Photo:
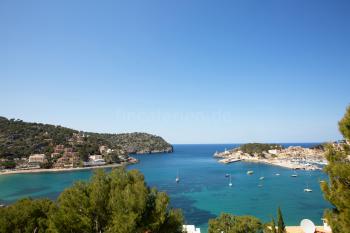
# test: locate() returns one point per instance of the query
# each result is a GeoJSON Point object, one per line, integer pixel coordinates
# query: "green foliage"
{"type": "Point", "coordinates": [26, 216]}
{"type": "Point", "coordinates": [280, 224]}
{"type": "Point", "coordinates": [118, 202]}
{"type": "Point", "coordinates": [337, 191]}
{"type": "Point", "coordinates": [344, 124]}
{"type": "Point", "coordinates": [8, 164]}
{"type": "Point", "coordinates": [258, 148]}
{"type": "Point", "coordinates": [137, 142]}
{"type": "Point", "coordinates": [273, 226]}
{"type": "Point", "coordinates": [47, 165]}
{"type": "Point", "coordinates": [113, 157]}
{"type": "Point", "coordinates": [235, 224]}
{"type": "Point", "coordinates": [21, 139]}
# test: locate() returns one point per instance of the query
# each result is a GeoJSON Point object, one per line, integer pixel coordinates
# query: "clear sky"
{"type": "Point", "coordinates": [190, 71]}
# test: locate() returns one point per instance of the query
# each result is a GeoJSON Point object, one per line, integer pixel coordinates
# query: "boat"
{"type": "Point", "coordinates": [177, 177]}
{"type": "Point", "coordinates": [261, 178]}
{"type": "Point", "coordinates": [307, 190]}
{"type": "Point", "coordinates": [277, 174]}
{"type": "Point", "coordinates": [294, 175]}
{"type": "Point", "coordinates": [230, 184]}
{"type": "Point", "coordinates": [250, 172]}
{"type": "Point", "coordinates": [227, 175]}
{"type": "Point", "coordinates": [260, 185]}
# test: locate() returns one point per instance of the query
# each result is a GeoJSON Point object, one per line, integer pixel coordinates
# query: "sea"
{"type": "Point", "coordinates": [203, 191]}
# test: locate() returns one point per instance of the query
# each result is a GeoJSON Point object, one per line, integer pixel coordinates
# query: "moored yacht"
{"type": "Point", "coordinates": [250, 172]}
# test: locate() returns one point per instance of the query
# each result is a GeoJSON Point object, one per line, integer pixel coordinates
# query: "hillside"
{"type": "Point", "coordinates": [21, 139]}
{"type": "Point", "coordinates": [137, 143]}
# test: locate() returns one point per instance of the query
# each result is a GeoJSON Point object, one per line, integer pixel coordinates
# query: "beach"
{"type": "Point", "coordinates": [42, 170]}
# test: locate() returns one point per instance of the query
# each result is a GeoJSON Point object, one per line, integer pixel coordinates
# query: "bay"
{"type": "Point", "coordinates": [203, 191]}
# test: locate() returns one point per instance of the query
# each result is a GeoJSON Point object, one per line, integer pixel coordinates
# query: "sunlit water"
{"type": "Point", "coordinates": [203, 191]}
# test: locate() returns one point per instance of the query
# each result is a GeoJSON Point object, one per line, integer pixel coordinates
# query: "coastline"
{"type": "Point", "coordinates": [284, 164]}
{"type": "Point", "coordinates": [58, 170]}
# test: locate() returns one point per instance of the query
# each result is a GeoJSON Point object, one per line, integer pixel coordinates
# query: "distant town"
{"type": "Point", "coordinates": [292, 157]}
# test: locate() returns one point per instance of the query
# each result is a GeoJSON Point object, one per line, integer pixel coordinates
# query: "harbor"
{"type": "Point", "coordinates": [293, 157]}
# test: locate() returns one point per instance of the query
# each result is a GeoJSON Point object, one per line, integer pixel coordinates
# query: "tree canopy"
{"type": "Point", "coordinates": [337, 191]}
{"type": "Point", "coordinates": [235, 224]}
{"type": "Point", "coordinates": [118, 202]}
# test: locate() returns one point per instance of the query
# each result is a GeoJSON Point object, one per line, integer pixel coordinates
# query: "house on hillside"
{"type": "Point", "coordinates": [37, 158]}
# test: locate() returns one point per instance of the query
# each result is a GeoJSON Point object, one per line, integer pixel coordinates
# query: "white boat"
{"type": "Point", "coordinates": [230, 184]}
{"type": "Point", "coordinates": [294, 175]}
{"type": "Point", "coordinates": [277, 174]}
{"type": "Point", "coordinates": [260, 185]}
{"type": "Point", "coordinates": [250, 172]}
{"type": "Point", "coordinates": [261, 178]}
{"type": "Point", "coordinates": [177, 177]}
{"type": "Point", "coordinates": [308, 190]}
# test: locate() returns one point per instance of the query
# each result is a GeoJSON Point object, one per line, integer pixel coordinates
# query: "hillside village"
{"type": "Point", "coordinates": [28, 146]}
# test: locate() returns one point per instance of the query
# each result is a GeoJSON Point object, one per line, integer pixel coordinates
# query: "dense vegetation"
{"type": "Point", "coordinates": [118, 202]}
{"type": "Point", "coordinates": [229, 223]}
{"type": "Point", "coordinates": [337, 191]}
{"type": "Point", "coordinates": [235, 224]}
{"type": "Point", "coordinates": [20, 139]}
{"type": "Point", "coordinates": [137, 142]}
{"type": "Point", "coordinates": [258, 148]}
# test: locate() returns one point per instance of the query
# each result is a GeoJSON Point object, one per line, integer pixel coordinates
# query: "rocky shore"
{"type": "Point", "coordinates": [293, 157]}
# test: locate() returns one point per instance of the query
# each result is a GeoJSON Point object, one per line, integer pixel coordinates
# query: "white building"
{"type": "Point", "coordinates": [191, 229]}
{"type": "Point", "coordinates": [96, 158]}
{"type": "Point", "coordinates": [37, 158]}
{"type": "Point", "coordinates": [273, 152]}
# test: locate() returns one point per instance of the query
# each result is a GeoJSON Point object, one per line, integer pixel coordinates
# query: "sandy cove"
{"type": "Point", "coordinates": [41, 170]}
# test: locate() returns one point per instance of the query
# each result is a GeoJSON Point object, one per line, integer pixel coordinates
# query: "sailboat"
{"type": "Point", "coordinates": [177, 177]}
{"type": "Point", "coordinates": [295, 174]}
{"type": "Point", "coordinates": [230, 184]}
{"type": "Point", "coordinates": [308, 190]}
{"type": "Point", "coordinates": [250, 172]}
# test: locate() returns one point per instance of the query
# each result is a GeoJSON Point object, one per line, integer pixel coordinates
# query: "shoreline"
{"type": "Point", "coordinates": [283, 164]}
{"type": "Point", "coordinates": [58, 170]}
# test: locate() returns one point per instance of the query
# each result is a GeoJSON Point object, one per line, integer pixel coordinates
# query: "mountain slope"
{"type": "Point", "coordinates": [20, 139]}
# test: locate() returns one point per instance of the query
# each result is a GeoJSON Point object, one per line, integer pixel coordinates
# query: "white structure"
{"type": "Point", "coordinates": [191, 229]}
{"type": "Point", "coordinates": [96, 158]}
{"type": "Point", "coordinates": [326, 227]}
{"type": "Point", "coordinates": [273, 152]}
{"type": "Point", "coordinates": [37, 158]}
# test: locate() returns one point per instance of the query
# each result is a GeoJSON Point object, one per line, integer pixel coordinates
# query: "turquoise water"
{"type": "Point", "coordinates": [203, 191]}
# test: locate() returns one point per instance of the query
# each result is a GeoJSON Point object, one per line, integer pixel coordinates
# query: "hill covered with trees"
{"type": "Point", "coordinates": [21, 139]}
{"type": "Point", "coordinates": [137, 143]}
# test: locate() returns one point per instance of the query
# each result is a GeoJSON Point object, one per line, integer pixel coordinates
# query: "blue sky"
{"type": "Point", "coordinates": [190, 71]}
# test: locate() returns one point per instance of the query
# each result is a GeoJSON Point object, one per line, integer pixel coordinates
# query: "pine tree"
{"type": "Point", "coordinates": [273, 226]}
{"type": "Point", "coordinates": [229, 223]}
{"type": "Point", "coordinates": [281, 226]}
{"type": "Point", "coordinates": [337, 191]}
